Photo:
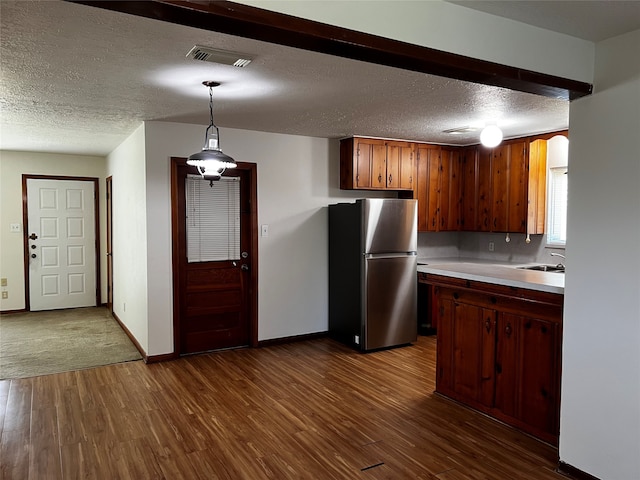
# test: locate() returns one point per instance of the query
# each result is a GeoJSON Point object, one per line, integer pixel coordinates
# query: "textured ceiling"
{"type": "Point", "coordinates": [78, 79]}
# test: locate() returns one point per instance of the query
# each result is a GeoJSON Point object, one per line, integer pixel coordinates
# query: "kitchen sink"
{"type": "Point", "coordinates": [545, 268]}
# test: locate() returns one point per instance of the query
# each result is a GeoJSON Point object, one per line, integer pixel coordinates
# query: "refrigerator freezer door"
{"type": "Point", "coordinates": [391, 292]}
{"type": "Point", "coordinates": [390, 225]}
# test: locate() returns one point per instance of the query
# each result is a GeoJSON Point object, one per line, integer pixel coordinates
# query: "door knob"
{"type": "Point", "coordinates": [244, 267]}
{"type": "Point", "coordinates": [33, 236]}
{"type": "Point", "coordinates": [33, 255]}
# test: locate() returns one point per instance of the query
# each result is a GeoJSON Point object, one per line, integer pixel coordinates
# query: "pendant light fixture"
{"type": "Point", "coordinates": [491, 136]}
{"type": "Point", "coordinates": [211, 162]}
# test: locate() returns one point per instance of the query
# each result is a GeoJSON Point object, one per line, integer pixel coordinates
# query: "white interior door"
{"type": "Point", "coordinates": [62, 243]}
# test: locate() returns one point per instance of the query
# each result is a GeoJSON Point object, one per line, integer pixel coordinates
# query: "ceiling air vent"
{"type": "Point", "coordinates": [206, 54]}
{"type": "Point", "coordinates": [460, 130]}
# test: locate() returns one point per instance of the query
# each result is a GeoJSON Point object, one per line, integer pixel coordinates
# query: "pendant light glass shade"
{"type": "Point", "coordinates": [211, 162]}
{"type": "Point", "coordinates": [491, 136]}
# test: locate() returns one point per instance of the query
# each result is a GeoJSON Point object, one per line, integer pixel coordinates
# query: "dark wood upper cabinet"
{"type": "Point", "coordinates": [376, 164]}
{"type": "Point", "coordinates": [505, 187]}
{"type": "Point", "coordinates": [458, 188]}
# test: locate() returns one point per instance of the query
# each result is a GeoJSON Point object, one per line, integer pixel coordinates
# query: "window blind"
{"type": "Point", "coordinates": [213, 219]}
{"type": "Point", "coordinates": [557, 219]}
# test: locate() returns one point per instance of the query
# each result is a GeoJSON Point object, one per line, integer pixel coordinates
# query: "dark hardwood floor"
{"type": "Point", "coordinates": [307, 410]}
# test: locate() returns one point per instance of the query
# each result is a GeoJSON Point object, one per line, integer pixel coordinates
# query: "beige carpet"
{"type": "Point", "coordinates": [41, 343]}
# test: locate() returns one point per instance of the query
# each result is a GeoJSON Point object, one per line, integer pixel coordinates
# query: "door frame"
{"type": "Point", "coordinates": [109, 246]}
{"type": "Point", "coordinates": [25, 229]}
{"type": "Point", "coordinates": [251, 169]}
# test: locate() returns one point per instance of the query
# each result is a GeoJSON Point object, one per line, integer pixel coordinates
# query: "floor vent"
{"type": "Point", "coordinates": [206, 54]}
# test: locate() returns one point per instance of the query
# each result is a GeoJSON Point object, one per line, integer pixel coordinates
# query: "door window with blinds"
{"type": "Point", "coordinates": [213, 219]}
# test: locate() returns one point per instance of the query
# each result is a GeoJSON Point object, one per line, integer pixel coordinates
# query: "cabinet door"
{"type": "Point", "coordinates": [400, 166]}
{"type": "Point", "coordinates": [379, 165]}
{"type": "Point", "coordinates": [485, 204]}
{"type": "Point", "coordinates": [433, 167]}
{"type": "Point", "coordinates": [443, 311]}
{"type": "Point", "coordinates": [500, 188]}
{"type": "Point", "coordinates": [407, 167]}
{"type": "Point", "coordinates": [394, 153]}
{"type": "Point", "coordinates": [363, 162]}
{"type": "Point", "coordinates": [527, 373]}
{"type": "Point", "coordinates": [537, 190]}
{"type": "Point", "coordinates": [518, 188]}
{"type": "Point", "coordinates": [444, 189]}
{"type": "Point", "coordinates": [422, 186]}
{"type": "Point", "coordinates": [454, 196]}
{"type": "Point", "coordinates": [428, 160]}
{"type": "Point", "coordinates": [473, 354]}
{"type": "Point", "coordinates": [469, 189]}
{"type": "Point", "coordinates": [540, 374]}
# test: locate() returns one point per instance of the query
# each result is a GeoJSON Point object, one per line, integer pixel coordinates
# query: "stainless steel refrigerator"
{"type": "Point", "coordinates": [372, 272]}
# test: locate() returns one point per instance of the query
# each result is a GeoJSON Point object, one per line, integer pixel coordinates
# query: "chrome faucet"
{"type": "Point", "coordinates": [554, 254]}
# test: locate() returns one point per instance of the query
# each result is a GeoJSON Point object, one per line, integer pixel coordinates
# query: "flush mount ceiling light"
{"type": "Point", "coordinates": [211, 162]}
{"type": "Point", "coordinates": [491, 136]}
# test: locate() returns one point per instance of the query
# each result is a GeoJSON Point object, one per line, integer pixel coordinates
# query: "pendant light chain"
{"type": "Point", "coordinates": [210, 105]}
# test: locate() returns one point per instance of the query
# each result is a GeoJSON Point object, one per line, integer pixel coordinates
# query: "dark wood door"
{"type": "Point", "coordinates": [214, 300]}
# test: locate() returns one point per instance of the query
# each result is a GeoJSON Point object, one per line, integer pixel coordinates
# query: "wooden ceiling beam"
{"type": "Point", "coordinates": [258, 24]}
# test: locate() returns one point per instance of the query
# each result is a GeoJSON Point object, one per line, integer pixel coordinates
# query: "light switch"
{"type": "Point", "coordinates": [15, 227]}
{"type": "Point", "coordinates": [265, 230]}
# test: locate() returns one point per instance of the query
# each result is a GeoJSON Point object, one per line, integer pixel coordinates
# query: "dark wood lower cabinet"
{"type": "Point", "coordinates": [499, 351]}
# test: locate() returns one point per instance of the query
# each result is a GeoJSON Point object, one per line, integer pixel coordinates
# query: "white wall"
{"type": "Point", "coordinates": [12, 166]}
{"type": "Point", "coordinates": [600, 416]}
{"type": "Point", "coordinates": [126, 164]}
{"type": "Point", "coordinates": [451, 28]}
{"type": "Point", "coordinates": [297, 178]}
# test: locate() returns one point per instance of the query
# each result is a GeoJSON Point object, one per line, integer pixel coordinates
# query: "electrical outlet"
{"type": "Point", "coordinates": [265, 230]}
{"type": "Point", "coordinates": [15, 227]}
{"type": "Point", "coordinates": [356, 338]}
{"type": "Point", "coordinates": [492, 246]}
{"type": "Point", "coordinates": [5, 295]}
{"type": "Point", "coordinates": [3, 282]}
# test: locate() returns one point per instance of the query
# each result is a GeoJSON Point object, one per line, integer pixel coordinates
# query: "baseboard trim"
{"type": "Point", "coordinates": [294, 338]}
{"type": "Point", "coordinates": [8, 312]}
{"type": "Point", "coordinates": [131, 337]}
{"type": "Point", "coordinates": [165, 357]}
{"type": "Point", "coordinates": [573, 472]}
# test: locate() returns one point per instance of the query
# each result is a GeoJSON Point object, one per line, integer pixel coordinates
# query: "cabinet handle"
{"type": "Point", "coordinates": [390, 178]}
{"type": "Point", "coordinates": [487, 325]}
{"type": "Point", "coordinates": [379, 178]}
{"type": "Point", "coordinates": [507, 330]}
{"type": "Point", "coordinates": [357, 179]}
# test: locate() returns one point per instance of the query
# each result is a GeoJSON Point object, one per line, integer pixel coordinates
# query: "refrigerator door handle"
{"type": "Point", "coordinates": [389, 255]}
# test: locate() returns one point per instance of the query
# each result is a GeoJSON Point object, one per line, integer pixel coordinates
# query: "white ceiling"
{"type": "Point", "coordinates": [78, 79]}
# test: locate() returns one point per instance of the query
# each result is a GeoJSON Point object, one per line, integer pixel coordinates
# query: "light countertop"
{"type": "Point", "coordinates": [494, 272]}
